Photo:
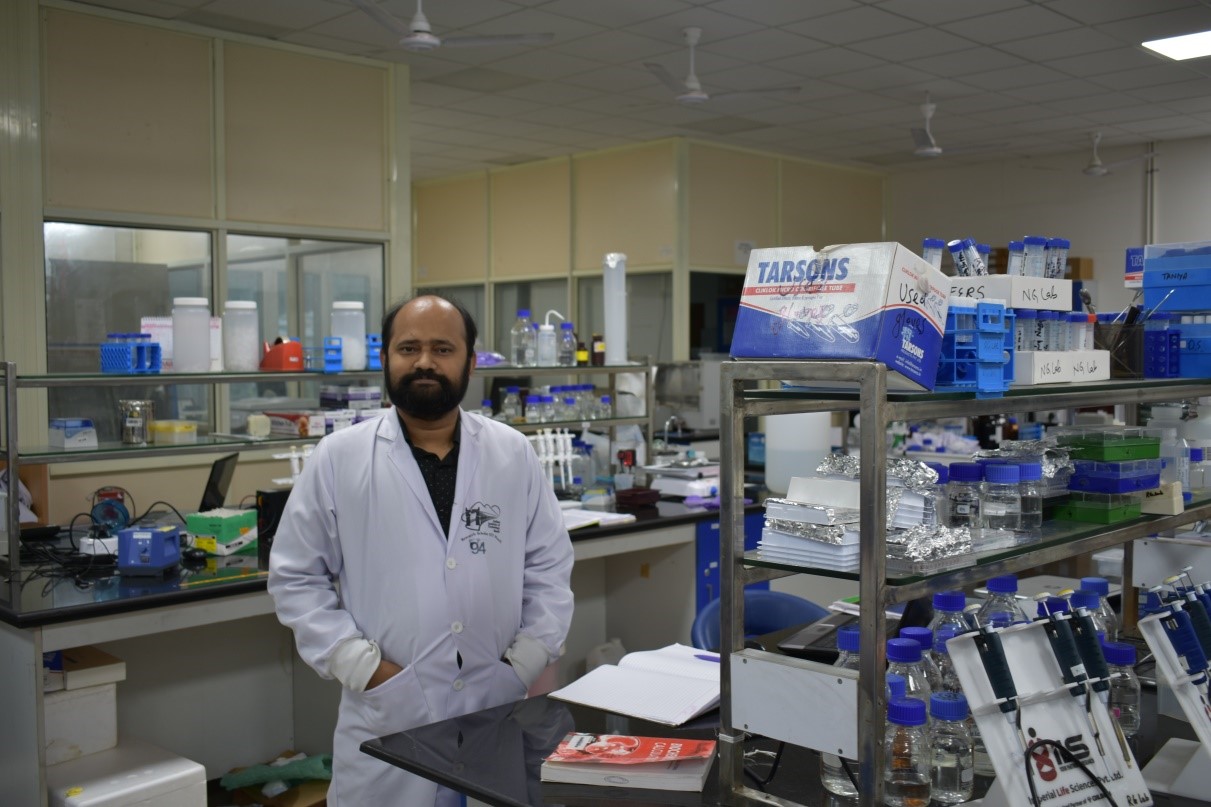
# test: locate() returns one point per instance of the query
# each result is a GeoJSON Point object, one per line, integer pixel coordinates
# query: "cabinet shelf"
{"type": "Point", "coordinates": [825, 386]}
{"type": "Point", "coordinates": [45, 455]}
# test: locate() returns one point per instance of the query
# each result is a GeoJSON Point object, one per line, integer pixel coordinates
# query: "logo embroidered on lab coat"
{"type": "Point", "coordinates": [483, 521]}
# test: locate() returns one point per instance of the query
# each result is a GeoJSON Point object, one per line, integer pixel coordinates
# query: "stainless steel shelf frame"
{"type": "Point", "coordinates": [878, 407]}
{"type": "Point", "coordinates": [13, 457]}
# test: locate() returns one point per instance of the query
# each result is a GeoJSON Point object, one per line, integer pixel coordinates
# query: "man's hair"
{"type": "Point", "coordinates": [468, 320]}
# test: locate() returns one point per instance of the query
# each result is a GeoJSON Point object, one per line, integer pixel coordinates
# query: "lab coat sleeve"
{"type": "Point", "coordinates": [546, 609]}
{"type": "Point", "coordinates": [304, 565]}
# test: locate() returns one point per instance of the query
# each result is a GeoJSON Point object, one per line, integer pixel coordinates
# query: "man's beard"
{"type": "Point", "coordinates": [427, 403]}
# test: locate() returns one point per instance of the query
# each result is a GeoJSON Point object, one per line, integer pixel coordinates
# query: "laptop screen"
{"type": "Point", "coordinates": [221, 472]}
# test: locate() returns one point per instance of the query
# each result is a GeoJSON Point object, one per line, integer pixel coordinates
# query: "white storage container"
{"type": "Point", "coordinates": [79, 722]}
{"type": "Point", "coordinates": [190, 335]}
{"type": "Point", "coordinates": [135, 774]}
{"type": "Point", "coordinates": [241, 337]}
{"type": "Point", "coordinates": [348, 321]}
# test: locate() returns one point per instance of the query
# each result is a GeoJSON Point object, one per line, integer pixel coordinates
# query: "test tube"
{"type": "Point", "coordinates": [1039, 340]}
{"type": "Point", "coordinates": [1046, 331]}
{"type": "Point", "coordinates": [966, 258]}
{"type": "Point", "coordinates": [1090, 329]}
{"type": "Point", "coordinates": [1023, 327]}
{"type": "Point", "coordinates": [984, 251]}
{"type": "Point", "coordinates": [1016, 265]}
{"type": "Point", "coordinates": [1035, 249]}
{"type": "Point", "coordinates": [931, 251]}
{"type": "Point", "coordinates": [1077, 321]}
{"type": "Point", "coordinates": [1056, 259]}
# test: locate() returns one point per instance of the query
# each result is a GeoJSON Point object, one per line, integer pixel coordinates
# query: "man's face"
{"type": "Point", "coordinates": [427, 363]}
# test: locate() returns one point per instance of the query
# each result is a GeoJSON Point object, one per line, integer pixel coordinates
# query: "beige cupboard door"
{"type": "Point", "coordinates": [451, 230]}
{"type": "Point", "coordinates": [733, 201]}
{"type": "Point", "coordinates": [531, 230]}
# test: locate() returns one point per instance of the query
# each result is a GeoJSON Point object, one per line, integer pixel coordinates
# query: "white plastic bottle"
{"type": "Point", "coordinates": [521, 340]}
{"type": "Point", "coordinates": [546, 351]}
{"type": "Point", "coordinates": [241, 337]}
{"type": "Point", "coordinates": [348, 321]}
{"type": "Point", "coordinates": [190, 335]}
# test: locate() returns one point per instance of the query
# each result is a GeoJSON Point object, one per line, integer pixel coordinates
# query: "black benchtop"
{"type": "Point", "coordinates": [38, 599]}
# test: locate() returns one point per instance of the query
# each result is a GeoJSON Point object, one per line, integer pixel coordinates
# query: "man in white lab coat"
{"type": "Point", "coordinates": [422, 558]}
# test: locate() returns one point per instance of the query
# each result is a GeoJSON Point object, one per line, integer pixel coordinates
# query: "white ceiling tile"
{"type": "Point", "coordinates": [452, 118]}
{"type": "Point", "coordinates": [1167, 93]}
{"type": "Point", "coordinates": [1092, 13]}
{"type": "Point", "coordinates": [938, 12]}
{"type": "Point", "coordinates": [1006, 26]}
{"type": "Point", "coordinates": [614, 125]}
{"type": "Point", "coordinates": [546, 64]}
{"type": "Point", "coordinates": [863, 22]}
{"type": "Point", "coordinates": [565, 136]}
{"type": "Point", "coordinates": [881, 77]}
{"type": "Point", "coordinates": [356, 26]}
{"type": "Point", "coordinates": [780, 12]}
{"type": "Point", "coordinates": [962, 62]}
{"type": "Point", "coordinates": [456, 137]}
{"type": "Point", "coordinates": [472, 153]}
{"type": "Point", "coordinates": [301, 13]}
{"type": "Point", "coordinates": [826, 62]}
{"type": "Point", "coordinates": [520, 145]}
{"type": "Point", "coordinates": [508, 128]}
{"type": "Point", "coordinates": [1089, 104]}
{"type": "Point", "coordinates": [616, 79]}
{"type": "Point", "coordinates": [615, 13]}
{"type": "Point", "coordinates": [1061, 44]}
{"type": "Point", "coordinates": [1022, 76]}
{"type": "Point", "coordinates": [1156, 125]}
{"type": "Point", "coordinates": [498, 106]}
{"type": "Point", "coordinates": [551, 92]}
{"type": "Point", "coordinates": [616, 46]}
{"type": "Point", "coordinates": [790, 114]}
{"type": "Point", "coordinates": [1056, 90]}
{"type": "Point", "coordinates": [1091, 65]}
{"type": "Point", "coordinates": [1156, 26]}
{"type": "Point", "coordinates": [1143, 77]}
{"type": "Point", "coordinates": [421, 67]}
{"type": "Point", "coordinates": [427, 94]}
{"type": "Point", "coordinates": [330, 43]}
{"type": "Point", "coordinates": [714, 25]}
{"type": "Point", "coordinates": [617, 104]}
{"type": "Point", "coordinates": [148, 8]}
{"type": "Point", "coordinates": [1126, 114]}
{"type": "Point", "coordinates": [911, 44]}
{"type": "Point", "coordinates": [560, 116]}
{"type": "Point", "coordinates": [536, 21]}
{"type": "Point", "coordinates": [759, 46]}
{"type": "Point", "coordinates": [748, 76]}
{"type": "Point", "coordinates": [1191, 106]}
{"type": "Point", "coordinates": [448, 15]}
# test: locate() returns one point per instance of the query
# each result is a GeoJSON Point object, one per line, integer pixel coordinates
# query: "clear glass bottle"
{"type": "Point", "coordinates": [833, 774]}
{"type": "Point", "coordinates": [566, 355]}
{"type": "Point", "coordinates": [952, 768]}
{"type": "Point", "coordinates": [569, 410]}
{"type": "Point", "coordinates": [1001, 609]}
{"type": "Point", "coordinates": [606, 410]}
{"type": "Point", "coordinates": [1001, 498]}
{"type": "Point", "coordinates": [546, 408]}
{"type": "Point", "coordinates": [948, 612]}
{"type": "Point", "coordinates": [1175, 458]}
{"type": "Point", "coordinates": [1102, 586]}
{"type": "Point", "coordinates": [904, 657]}
{"type": "Point", "coordinates": [485, 407]}
{"type": "Point", "coordinates": [906, 780]}
{"type": "Point", "coordinates": [532, 414]}
{"type": "Point", "coordinates": [1124, 686]}
{"type": "Point", "coordinates": [963, 494]}
{"type": "Point", "coordinates": [1091, 602]}
{"type": "Point", "coordinates": [521, 340]}
{"type": "Point", "coordinates": [924, 637]}
{"type": "Point", "coordinates": [1031, 490]}
{"type": "Point", "coordinates": [510, 407]}
{"type": "Point", "coordinates": [946, 667]}
{"type": "Point", "coordinates": [936, 510]}
{"type": "Point", "coordinates": [1198, 469]}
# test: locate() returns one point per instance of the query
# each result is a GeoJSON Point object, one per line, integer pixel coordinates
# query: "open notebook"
{"type": "Point", "coordinates": [668, 686]}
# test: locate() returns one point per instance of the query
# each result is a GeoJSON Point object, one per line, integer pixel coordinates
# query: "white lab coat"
{"type": "Point", "coordinates": [361, 516]}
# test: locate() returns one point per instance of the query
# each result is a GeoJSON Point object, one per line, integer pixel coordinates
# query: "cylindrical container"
{"type": "Point", "coordinates": [1198, 469]}
{"type": "Point", "coordinates": [510, 407]}
{"type": "Point", "coordinates": [1048, 330]}
{"type": "Point", "coordinates": [566, 354]}
{"type": "Point", "coordinates": [1031, 490]}
{"type": "Point", "coordinates": [906, 754]}
{"type": "Point", "coordinates": [1001, 498]}
{"type": "Point", "coordinates": [985, 252]}
{"type": "Point", "coordinates": [1090, 322]}
{"type": "Point", "coordinates": [546, 408]}
{"type": "Point", "coordinates": [348, 321]}
{"type": "Point", "coordinates": [832, 771]}
{"type": "Point", "coordinates": [598, 351]}
{"type": "Point", "coordinates": [521, 340]}
{"type": "Point", "coordinates": [1102, 586]}
{"type": "Point", "coordinates": [1076, 330]}
{"type": "Point", "coordinates": [1056, 259]}
{"type": "Point", "coordinates": [1124, 686]}
{"type": "Point", "coordinates": [533, 413]}
{"type": "Point", "coordinates": [582, 355]}
{"type": "Point", "coordinates": [941, 654]}
{"type": "Point", "coordinates": [190, 335]}
{"type": "Point", "coordinates": [136, 417]}
{"type": "Point", "coordinates": [924, 637]}
{"type": "Point", "coordinates": [1016, 264]}
{"type": "Point", "coordinates": [1034, 247]}
{"type": "Point", "coordinates": [1039, 340]}
{"type": "Point", "coordinates": [905, 657]}
{"type": "Point", "coordinates": [1091, 602]}
{"type": "Point", "coordinates": [952, 767]}
{"type": "Point", "coordinates": [614, 287]}
{"type": "Point", "coordinates": [546, 352]}
{"type": "Point", "coordinates": [948, 612]}
{"type": "Point", "coordinates": [241, 337]}
{"type": "Point", "coordinates": [931, 251]}
{"type": "Point", "coordinates": [966, 259]}
{"type": "Point", "coordinates": [794, 446]}
{"type": "Point", "coordinates": [1023, 328]}
{"type": "Point", "coordinates": [1001, 609]}
{"type": "Point", "coordinates": [963, 493]}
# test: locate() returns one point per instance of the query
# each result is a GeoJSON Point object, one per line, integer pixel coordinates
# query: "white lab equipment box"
{"type": "Point", "coordinates": [134, 774]}
{"type": "Point", "coordinates": [79, 722]}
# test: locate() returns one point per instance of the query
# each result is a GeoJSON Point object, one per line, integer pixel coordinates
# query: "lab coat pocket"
{"type": "Point", "coordinates": [507, 684]}
{"type": "Point", "coordinates": [397, 703]}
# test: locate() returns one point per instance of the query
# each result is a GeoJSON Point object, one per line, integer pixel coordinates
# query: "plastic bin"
{"type": "Point", "coordinates": [1110, 444]}
{"type": "Point", "coordinates": [1115, 477]}
{"type": "Point", "coordinates": [1100, 508]}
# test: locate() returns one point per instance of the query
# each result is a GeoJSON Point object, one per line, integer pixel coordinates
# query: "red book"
{"type": "Point", "coordinates": [621, 760]}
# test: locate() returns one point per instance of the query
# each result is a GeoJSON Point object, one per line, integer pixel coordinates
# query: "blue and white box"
{"type": "Point", "coordinates": [1177, 277]}
{"type": "Point", "coordinates": [851, 301]}
{"type": "Point", "coordinates": [72, 433]}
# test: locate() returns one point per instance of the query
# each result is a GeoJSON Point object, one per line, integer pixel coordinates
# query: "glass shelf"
{"type": "Point", "coordinates": [206, 444]}
{"type": "Point", "coordinates": [529, 428]}
{"type": "Point", "coordinates": [1060, 539]}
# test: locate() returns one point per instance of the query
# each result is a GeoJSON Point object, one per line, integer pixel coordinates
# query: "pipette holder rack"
{"type": "Point", "coordinates": [1180, 767]}
{"type": "Point", "coordinates": [1048, 711]}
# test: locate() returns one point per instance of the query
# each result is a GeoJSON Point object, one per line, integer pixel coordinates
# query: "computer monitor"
{"type": "Point", "coordinates": [215, 493]}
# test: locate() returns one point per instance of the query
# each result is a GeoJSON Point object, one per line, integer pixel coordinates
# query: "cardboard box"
{"type": "Point", "coordinates": [79, 722]}
{"type": "Point", "coordinates": [313, 793]}
{"type": "Point", "coordinates": [1080, 268]}
{"type": "Point", "coordinates": [1032, 367]}
{"type": "Point", "coordinates": [297, 424]}
{"type": "Point", "coordinates": [134, 773]}
{"type": "Point", "coordinates": [851, 301]}
{"type": "Point", "coordinates": [72, 433]}
{"type": "Point", "coordinates": [90, 666]}
{"type": "Point", "coordinates": [1040, 293]}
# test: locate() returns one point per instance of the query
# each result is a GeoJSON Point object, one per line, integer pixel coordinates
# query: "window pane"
{"type": "Point", "coordinates": [649, 314]}
{"type": "Point", "coordinates": [102, 280]}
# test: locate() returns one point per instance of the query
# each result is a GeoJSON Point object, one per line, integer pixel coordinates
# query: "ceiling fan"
{"type": "Point", "coordinates": [924, 144]}
{"type": "Point", "coordinates": [1097, 168]}
{"type": "Point", "coordinates": [418, 36]}
{"type": "Point", "coordinates": [690, 91]}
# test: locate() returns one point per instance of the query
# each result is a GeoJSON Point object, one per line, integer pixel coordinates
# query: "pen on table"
{"type": "Point", "coordinates": [707, 657]}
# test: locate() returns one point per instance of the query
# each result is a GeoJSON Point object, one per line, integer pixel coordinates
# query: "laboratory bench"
{"type": "Point", "coordinates": [493, 756]}
{"type": "Point", "coordinates": [213, 676]}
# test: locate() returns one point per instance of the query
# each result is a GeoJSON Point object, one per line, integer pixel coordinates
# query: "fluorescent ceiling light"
{"type": "Point", "coordinates": [1186, 46]}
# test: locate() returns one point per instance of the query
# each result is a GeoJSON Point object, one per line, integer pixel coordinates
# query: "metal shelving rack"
{"type": "Point", "coordinates": [878, 407]}
{"type": "Point", "coordinates": [207, 445]}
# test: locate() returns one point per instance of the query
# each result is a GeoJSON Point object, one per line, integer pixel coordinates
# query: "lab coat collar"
{"type": "Point", "coordinates": [400, 453]}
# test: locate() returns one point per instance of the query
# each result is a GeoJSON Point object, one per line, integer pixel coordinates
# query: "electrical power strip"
{"type": "Point", "coordinates": [99, 546]}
